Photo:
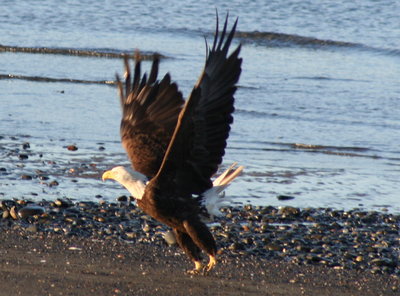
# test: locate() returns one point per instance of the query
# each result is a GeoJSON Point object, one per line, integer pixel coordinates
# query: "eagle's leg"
{"type": "Point", "coordinates": [202, 237]}
{"type": "Point", "coordinates": [190, 248]}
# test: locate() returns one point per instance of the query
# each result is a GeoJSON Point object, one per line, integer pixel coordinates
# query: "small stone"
{"type": "Point", "coordinates": [32, 229]}
{"type": "Point", "coordinates": [53, 183]}
{"type": "Point", "coordinates": [13, 213]}
{"type": "Point", "coordinates": [285, 197]}
{"type": "Point", "coordinates": [61, 203]}
{"type": "Point", "coordinates": [29, 211]}
{"type": "Point", "coordinates": [122, 198]}
{"type": "Point", "coordinates": [131, 235]}
{"type": "Point", "coordinates": [26, 177]}
{"type": "Point", "coordinates": [289, 211]}
{"type": "Point", "coordinates": [72, 148]}
{"type": "Point", "coordinates": [100, 219]}
{"type": "Point", "coordinates": [146, 227]}
{"type": "Point", "coordinates": [6, 214]}
{"type": "Point", "coordinates": [359, 258]}
{"type": "Point", "coordinates": [273, 247]}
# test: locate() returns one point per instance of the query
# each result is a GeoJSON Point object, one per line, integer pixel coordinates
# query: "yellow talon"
{"type": "Point", "coordinates": [211, 263]}
{"type": "Point", "coordinates": [197, 268]}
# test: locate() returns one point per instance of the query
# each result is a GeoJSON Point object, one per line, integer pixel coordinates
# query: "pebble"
{"type": "Point", "coordinates": [72, 147]}
{"type": "Point", "coordinates": [26, 145]}
{"type": "Point", "coordinates": [29, 211]}
{"type": "Point", "coordinates": [62, 203]}
{"type": "Point", "coordinates": [285, 197]}
{"type": "Point", "coordinates": [53, 183]}
{"type": "Point", "coordinates": [23, 156]}
{"type": "Point", "coordinates": [13, 213]}
{"type": "Point", "coordinates": [26, 177]}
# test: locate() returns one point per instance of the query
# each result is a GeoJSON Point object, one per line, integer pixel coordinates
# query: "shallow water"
{"type": "Point", "coordinates": [315, 120]}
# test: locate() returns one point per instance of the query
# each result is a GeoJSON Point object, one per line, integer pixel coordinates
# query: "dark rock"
{"type": "Point", "coordinates": [29, 211]}
{"type": "Point", "coordinates": [284, 197]}
{"type": "Point", "coordinates": [62, 203]}
{"type": "Point", "coordinates": [26, 177]}
{"type": "Point", "coordinates": [53, 183]}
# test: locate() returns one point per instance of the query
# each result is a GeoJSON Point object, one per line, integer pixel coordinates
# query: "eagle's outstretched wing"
{"type": "Point", "coordinates": [199, 140]}
{"type": "Point", "coordinates": [150, 110]}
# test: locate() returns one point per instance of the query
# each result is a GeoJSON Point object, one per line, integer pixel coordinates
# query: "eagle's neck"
{"type": "Point", "coordinates": [135, 184]}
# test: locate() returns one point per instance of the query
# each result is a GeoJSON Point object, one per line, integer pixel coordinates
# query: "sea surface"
{"type": "Point", "coordinates": [317, 110]}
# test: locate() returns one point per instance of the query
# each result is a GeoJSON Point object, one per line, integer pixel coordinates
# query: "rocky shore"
{"type": "Point", "coordinates": [306, 249]}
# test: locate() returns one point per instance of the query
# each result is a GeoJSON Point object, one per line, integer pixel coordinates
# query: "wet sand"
{"type": "Point", "coordinates": [53, 264]}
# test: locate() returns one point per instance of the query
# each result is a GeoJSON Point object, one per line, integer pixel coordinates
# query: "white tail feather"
{"type": "Point", "coordinates": [214, 198]}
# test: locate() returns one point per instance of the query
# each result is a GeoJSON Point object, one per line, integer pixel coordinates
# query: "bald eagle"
{"type": "Point", "coordinates": [176, 147]}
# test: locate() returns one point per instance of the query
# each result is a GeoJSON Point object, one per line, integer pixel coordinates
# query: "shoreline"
{"type": "Point", "coordinates": [66, 248]}
{"type": "Point", "coordinates": [51, 264]}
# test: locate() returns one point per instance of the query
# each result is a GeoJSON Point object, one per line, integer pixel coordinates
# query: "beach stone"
{"type": "Point", "coordinates": [5, 214]}
{"type": "Point", "coordinates": [273, 247]}
{"type": "Point", "coordinates": [29, 211]}
{"type": "Point", "coordinates": [72, 147]}
{"type": "Point", "coordinates": [53, 183]}
{"type": "Point", "coordinates": [285, 197]}
{"type": "Point", "coordinates": [122, 198]}
{"type": "Point", "coordinates": [289, 211]}
{"type": "Point", "coordinates": [26, 177]}
{"type": "Point", "coordinates": [13, 213]}
{"type": "Point", "coordinates": [62, 203]}
{"type": "Point", "coordinates": [32, 229]}
{"type": "Point", "coordinates": [131, 235]}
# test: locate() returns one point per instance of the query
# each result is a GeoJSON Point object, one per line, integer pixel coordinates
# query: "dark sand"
{"type": "Point", "coordinates": [51, 264]}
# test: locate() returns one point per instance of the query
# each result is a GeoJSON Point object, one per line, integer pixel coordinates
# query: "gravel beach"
{"type": "Point", "coordinates": [83, 248]}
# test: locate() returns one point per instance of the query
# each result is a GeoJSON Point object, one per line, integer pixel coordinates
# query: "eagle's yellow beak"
{"type": "Point", "coordinates": [107, 175]}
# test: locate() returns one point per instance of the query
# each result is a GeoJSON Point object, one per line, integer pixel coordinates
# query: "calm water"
{"type": "Point", "coordinates": [315, 120]}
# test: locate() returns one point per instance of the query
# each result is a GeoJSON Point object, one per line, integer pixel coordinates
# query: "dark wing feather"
{"type": "Point", "coordinates": [150, 110]}
{"type": "Point", "coordinates": [199, 140]}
